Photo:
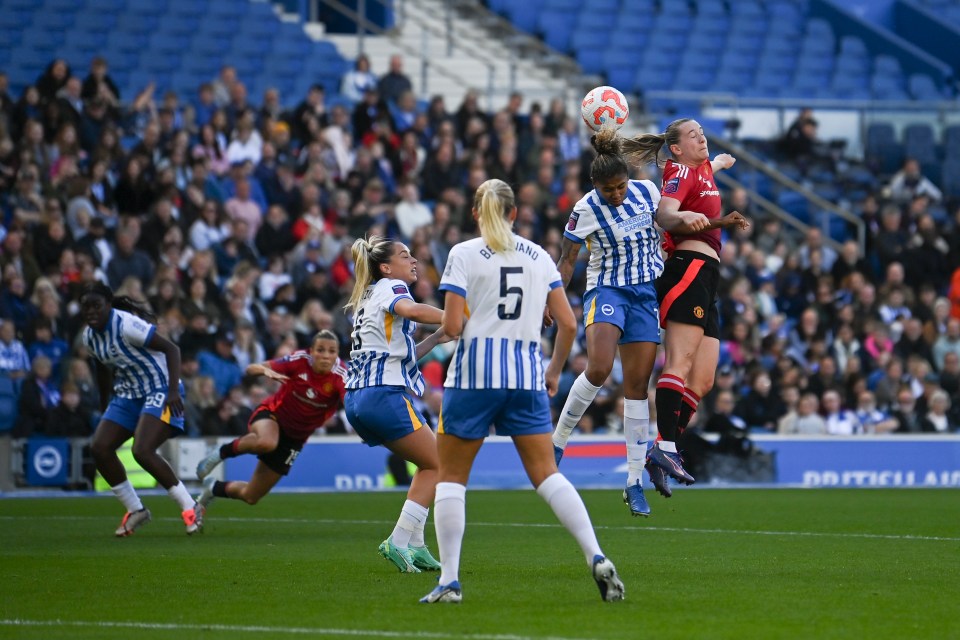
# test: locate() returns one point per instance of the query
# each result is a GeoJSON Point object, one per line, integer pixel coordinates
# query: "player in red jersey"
{"type": "Point", "coordinates": [689, 213]}
{"type": "Point", "coordinates": [312, 391]}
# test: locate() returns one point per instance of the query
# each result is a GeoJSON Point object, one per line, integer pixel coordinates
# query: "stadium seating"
{"type": "Point", "coordinates": [831, 65]}
{"type": "Point", "coordinates": [176, 43]}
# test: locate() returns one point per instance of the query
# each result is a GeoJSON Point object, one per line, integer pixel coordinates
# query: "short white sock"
{"type": "Point", "coordinates": [667, 445]}
{"type": "Point", "coordinates": [450, 521]}
{"type": "Point", "coordinates": [570, 510]}
{"type": "Point", "coordinates": [128, 496]}
{"type": "Point", "coordinates": [412, 516]}
{"type": "Point", "coordinates": [181, 496]}
{"type": "Point", "coordinates": [636, 425]}
{"type": "Point", "coordinates": [581, 395]}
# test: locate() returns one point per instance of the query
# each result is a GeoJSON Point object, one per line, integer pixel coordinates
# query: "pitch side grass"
{"type": "Point", "coordinates": [735, 564]}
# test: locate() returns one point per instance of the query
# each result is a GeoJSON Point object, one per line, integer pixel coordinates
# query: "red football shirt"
{"type": "Point", "coordinates": [697, 191]}
{"type": "Point", "coordinates": [308, 398]}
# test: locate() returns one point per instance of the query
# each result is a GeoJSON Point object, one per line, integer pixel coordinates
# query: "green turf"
{"type": "Point", "coordinates": [709, 564]}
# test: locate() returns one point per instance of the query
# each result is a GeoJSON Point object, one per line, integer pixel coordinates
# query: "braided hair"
{"type": "Point", "coordinates": [122, 303]}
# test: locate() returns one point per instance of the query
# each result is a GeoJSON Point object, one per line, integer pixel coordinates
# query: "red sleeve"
{"type": "Point", "coordinates": [283, 365]}
{"type": "Point", "coordinates": [677, 179]}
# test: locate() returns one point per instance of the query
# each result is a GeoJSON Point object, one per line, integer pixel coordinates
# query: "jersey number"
{"type": "Point", "coordinates": [505, 290]}
{"type": "Point", "coordinates": [357, 342]}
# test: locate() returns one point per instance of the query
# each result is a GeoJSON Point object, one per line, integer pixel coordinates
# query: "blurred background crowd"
{"type": "Point", "coordinates": [232, 215]}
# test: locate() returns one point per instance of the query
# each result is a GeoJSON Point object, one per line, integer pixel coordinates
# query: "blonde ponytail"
{"type": "Point", "coordinates": [368, 255]}
{"type": "Point", "coordinates": [494, 201]}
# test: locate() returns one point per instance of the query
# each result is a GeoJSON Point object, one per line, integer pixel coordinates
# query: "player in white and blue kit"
{"type": "Point", "coordinates": [382, 372]}
{"type": "Point", "coordinates": [145, 400]}
{"type": "Point", "coordinates": [500, 284]}
{"type": "Point", "coordinates": [620, 309]}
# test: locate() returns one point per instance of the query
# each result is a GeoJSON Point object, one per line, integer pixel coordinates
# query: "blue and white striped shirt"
{"type": "Point", "coordinates": [384, 352]}
{"type": "Point", "coordinates": [121, 346]}
{"type": "Point", "coordinates": [505, 295]}
{"type": "Point", "coordinates": [624, 245]}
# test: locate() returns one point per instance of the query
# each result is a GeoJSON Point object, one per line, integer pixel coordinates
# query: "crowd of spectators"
{"type": "Point", "coordinates": [233, 219]}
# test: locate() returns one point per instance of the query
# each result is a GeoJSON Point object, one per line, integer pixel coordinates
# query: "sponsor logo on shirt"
{"type": "Point", "coordinates": [672, 186]}
{"type": "Point", "coordinates": [400, 288]}
{"type": "Point", "coordinates": [574, 218]}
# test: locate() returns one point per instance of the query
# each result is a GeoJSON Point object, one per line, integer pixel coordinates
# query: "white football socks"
{"type": "Point", "coordinates": [181, 496]}
{"type": "Point", "coordinates": [128, 496]}
{"type": "Point", "coordinates": [581, 395]}
{"type": "Point", "coordinates": [570, 510]}
{"type": "Point", "coordinates": [636, 425]}
{"type": "Point", "coordinates": [412, 517]}
{"type": "Point", "coordinates": [450, 520]}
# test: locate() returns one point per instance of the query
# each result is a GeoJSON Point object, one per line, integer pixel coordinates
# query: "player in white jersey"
{"type": "Point", "coordinates": [382, 370]}
{"type": "Point", "coordinates": [145, 401]}
{"type": "Point", "coordinates": [620, 303]}
{"type": "Point", "coordinates": [502, 282]}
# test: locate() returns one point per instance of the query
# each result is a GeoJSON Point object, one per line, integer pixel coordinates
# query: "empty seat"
{"type": "Point", "coordinates": [922, 87]}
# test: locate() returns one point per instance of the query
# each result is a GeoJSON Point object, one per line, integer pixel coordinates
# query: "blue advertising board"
{"type": "Point", "coordinates": [46, 460]}
{"type": "Point", "coordinates": [345, 464]}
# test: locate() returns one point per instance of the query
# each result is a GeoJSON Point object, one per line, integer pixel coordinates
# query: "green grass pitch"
{"type": "Point", "coordinates": [709, 564]}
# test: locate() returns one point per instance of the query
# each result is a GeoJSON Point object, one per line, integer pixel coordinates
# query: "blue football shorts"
{"type": "Point", "coordinates": [382, 414]}
{"type": "Point", "coordinates": [469, 413]}
{"type": "Point", "coordinates": [126, 412]}
{"type": "Point", "coordinates": [632, 309]}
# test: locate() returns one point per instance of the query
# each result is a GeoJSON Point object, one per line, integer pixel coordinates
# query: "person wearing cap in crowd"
{"type": "Point", "coordinates": [220, 364]}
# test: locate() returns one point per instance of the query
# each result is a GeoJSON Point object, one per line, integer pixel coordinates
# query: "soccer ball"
{"type": "Point", "coordinates": [604, 107]}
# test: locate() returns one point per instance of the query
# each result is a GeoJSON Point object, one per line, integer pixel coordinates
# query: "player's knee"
{"type": "Point", "coordinates": [250, 498]}
{"type": "Point", "coordinates": [598, 374]}
{"type": "Point", "coordinates": [264, 445]}
{"type": "Point", "coordinates": [142, 453]}
{"type": "Point", "coordinates": [101, 451]}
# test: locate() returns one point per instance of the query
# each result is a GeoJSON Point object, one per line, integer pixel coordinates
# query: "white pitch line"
{"type": "Point", "coordinates": [315, 631]}
{"type": "Point", "coordinates": [536, 525]}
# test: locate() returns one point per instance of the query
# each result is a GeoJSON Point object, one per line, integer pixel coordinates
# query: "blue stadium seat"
{"type": "Point", "coordinates": [795, 204]}
{"type": "Point", "coordinates": [950, 182]}
{"type": "Point", "coordinates": [90, 22]}
{"type": "Point", "coordinates": [887, 65]}
{"type": "Point", "coordinates": [40, 39]}
{"type": "Point", "coordinates": [922, 87]}
{"type": "Point", "coordinates": [23, 5]}
{"type": "Point", "coordinates": [524, 15]}
{"type": "Point", "coordinates": [9, 397]}
{"type": "Point", "coordinates": [630, 42]}
{"type": "Point", "coordinates": [103, 7]}
{"type": "Point", "coordinates": [951, 141]}
{"type": "Point", "coordinates": [589, 41]}
{"type": "Point", "coordinates": [852, 46]}
{"type": "Point", "coordinates": [590, 60]}
{"type": "Point", "coordinates": [882, 151]}
{"type": "Point", "coordinates": [608, 7]}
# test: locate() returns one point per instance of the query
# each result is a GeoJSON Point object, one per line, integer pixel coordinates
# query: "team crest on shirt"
{"type": "Point", "coordinates": [327, 388]}
{"type": "Point", "coordinates": [698, 311]}
{"type": "Point", "coordinates": [672, 186]}
{"type": "Point", "coordinates": [399, 288]}
{"type": "Point", "coordinates": [574, 218]}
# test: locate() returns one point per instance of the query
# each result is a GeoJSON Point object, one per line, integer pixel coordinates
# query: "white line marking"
{"type": "Point", "coordinates": [317, 631]}
{"type": "Point", "coordinates": [535, 525]}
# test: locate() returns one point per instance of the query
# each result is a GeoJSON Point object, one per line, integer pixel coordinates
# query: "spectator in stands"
{"type": "Point", "coordinates": [220, 364]}
{"type": "Point", "coordinates": [909, 182]}
{"type": "Point", "coordinates": [801, 145]}
{"type": "Point", "coordinates": [15, 303]}
{"type": "Point", "coordinates": [760, 408]}
{"type": "Point", "coordinates": [806, 421]}
{"type": "Point", "coordinates": [242, 207]}
{"type": "Point", "coordinates": [38, 396]}
{"type": "Point", "coordinates": [223, 84]}
{"type": "Point", "coordinates": [45, 343]}
{"type": "Point", "coordinates": [948, 342]}
{"type": "Point", "coordinates": [14, 361]}
{"type": "Point", "coordinates": [128, 260]}
{"type": "Point", "coordinates": [99, 86]}
{"type": "Point", "coordinates": [839, 421]}
{"type": "Point", "coordinates": [912, 342]}
{"type": "Point", "coordinates": [873, 419]}
{"type": "Point", "coordinates": [410, 213]}
{"type": "Point", "coordinates": [937, 418]}
{"type": "Point", "coordinates": [725, 418]}
{"type": "Point", "coordinates": [358, 80]}
{"type": "Point", "coordinates": [247, 144]}
{"type": "Point", "coordinates": [394, 83]}
{"type": "Point", "coordinates": [905, 412]}
{"type": "Point", "coordinates": [52, 80]}
{"type": "Point", "coordinates": [69, 418]}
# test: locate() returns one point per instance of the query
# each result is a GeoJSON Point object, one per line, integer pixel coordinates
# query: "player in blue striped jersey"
{"type": "Point", "coordinates": [382, 372]}
{"type": "Point", "coordinates": [145, 400]}
{"type": "Point", "coordinates": [501, 283]}
{"type": "Point", "coordinates": [616, 220]}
